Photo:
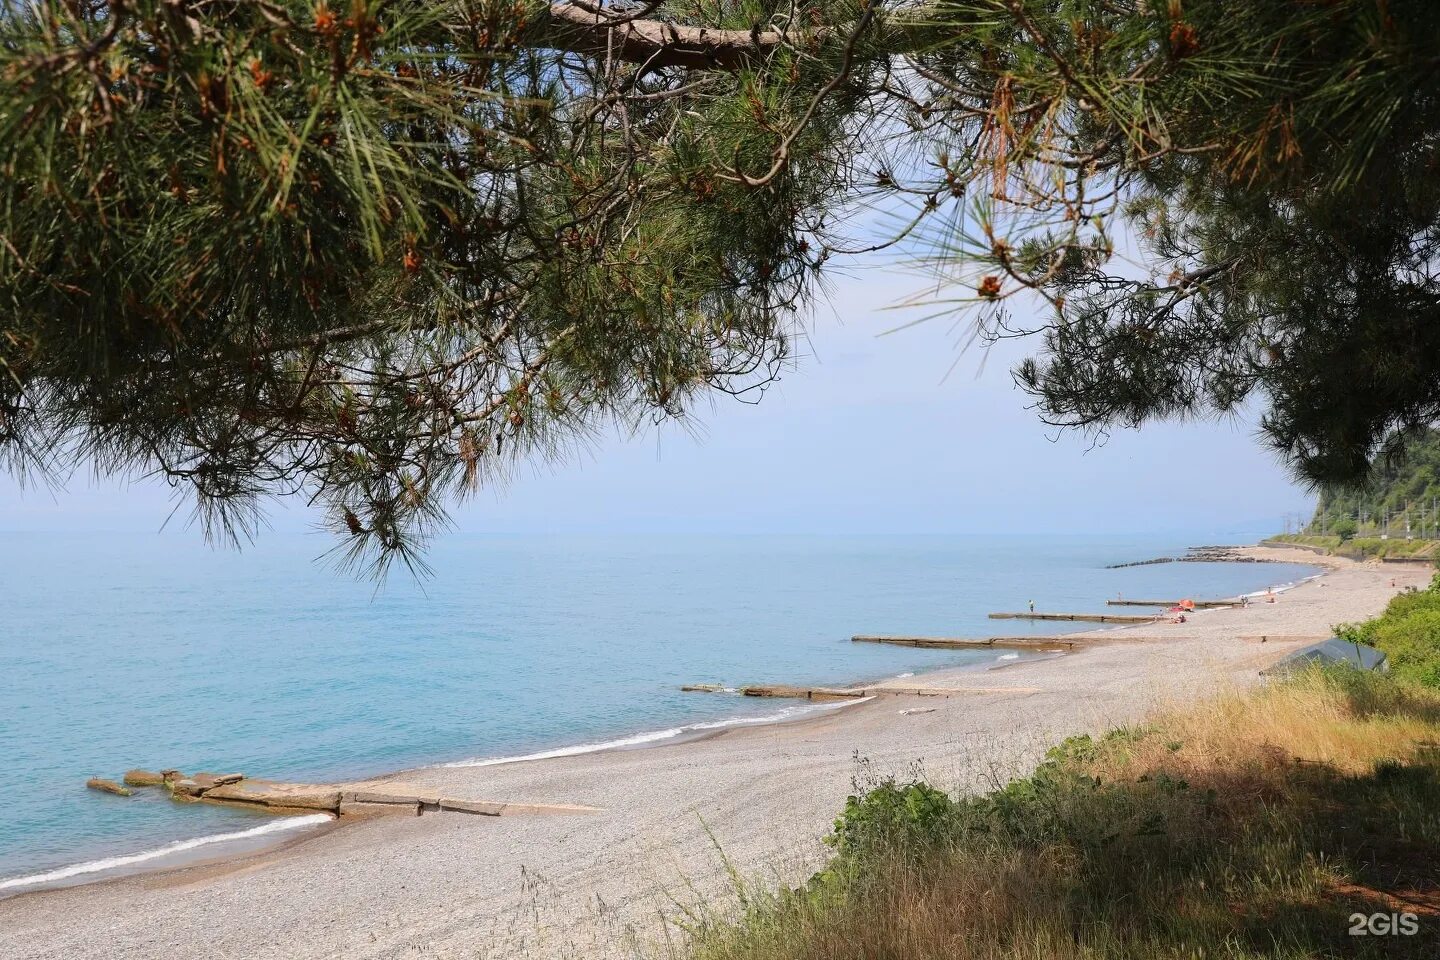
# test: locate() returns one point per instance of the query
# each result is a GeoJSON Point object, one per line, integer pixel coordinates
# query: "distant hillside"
{"type": "Point", "coordinates": [1400, 499]}
{"type": "Point", "coordinates": [1364, 548]}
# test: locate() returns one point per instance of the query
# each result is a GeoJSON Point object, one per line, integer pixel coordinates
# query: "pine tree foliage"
{"type": "Point", "coordinates": [1289, 231]}
{"type": "Point", "coordinates": [374, 253]}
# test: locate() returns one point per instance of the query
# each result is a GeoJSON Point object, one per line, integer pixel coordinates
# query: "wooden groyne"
{"type": "Point", "coordinates": [1199, 604]}
{"type": "Point", "coordinates": [964, 643]}
{"type": "Point", "coordinates": [1077, 617]}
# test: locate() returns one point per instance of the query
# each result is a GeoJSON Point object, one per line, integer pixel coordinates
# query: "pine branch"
{"type": "Point", "coordinates": [656, 44]}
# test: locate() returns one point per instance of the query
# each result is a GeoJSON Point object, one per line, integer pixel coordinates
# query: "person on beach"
{"type": "Point", "coordinates": [1032, 606]}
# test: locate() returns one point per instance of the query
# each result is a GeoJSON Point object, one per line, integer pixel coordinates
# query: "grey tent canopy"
{"type": "Point", "coordinates": [1330, 651]}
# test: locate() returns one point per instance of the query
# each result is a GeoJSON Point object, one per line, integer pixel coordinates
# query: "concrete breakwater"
{"type": "Point", "coordinates": [361, 798]}
{"type": "Point", "coordinates": [1079, 617]}
{"type": "Point", "coordinates": [826, 694]}
{"type": "Point", "coordinates": [1037, 644]}
{"type": "Point", "coordinates": [1196, 604]}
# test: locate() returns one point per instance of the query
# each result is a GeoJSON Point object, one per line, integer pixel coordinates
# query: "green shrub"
{"type": "Point", "coordinates": [895, 817]}
{"type": "Point", "coordinates": [1061, 804]}
{"type": "Point", "coordinates": [1412, 644]}
{"type": "Point", "coordinates": [1408, 633]}
{"type": "Point", "coordinates": [1407, 603]}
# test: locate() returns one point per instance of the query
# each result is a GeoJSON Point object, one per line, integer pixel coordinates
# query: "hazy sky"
{"type": "Point", "coordinates": [866, 435]}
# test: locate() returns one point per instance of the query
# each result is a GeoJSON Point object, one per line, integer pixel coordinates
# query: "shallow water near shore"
{"type": "Point", "coordinates": [155, 651]}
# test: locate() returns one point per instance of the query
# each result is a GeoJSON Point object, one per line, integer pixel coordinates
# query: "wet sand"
{"type": "Point", "coordinates": [607, 884]}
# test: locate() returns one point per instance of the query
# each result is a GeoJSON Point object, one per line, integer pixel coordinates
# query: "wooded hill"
{"type": "Point", "coordinates": [1402, 497]}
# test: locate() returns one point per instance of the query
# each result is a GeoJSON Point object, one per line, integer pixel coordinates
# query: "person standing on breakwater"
{"type": "Point", "coordinates": [1032, 606]}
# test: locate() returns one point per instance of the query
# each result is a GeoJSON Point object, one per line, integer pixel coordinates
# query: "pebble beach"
{"type": "Point", "coordinates": [670, 821]}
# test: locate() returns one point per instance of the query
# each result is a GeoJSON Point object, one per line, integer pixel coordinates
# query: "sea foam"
{"type": "Point", "coordinates": [655, 736]}
{"type": "Point", "coordinates": [170, 849]}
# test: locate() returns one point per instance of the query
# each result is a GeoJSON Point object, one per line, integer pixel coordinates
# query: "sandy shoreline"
{"type": "Point", "coordinates": [445, 885]}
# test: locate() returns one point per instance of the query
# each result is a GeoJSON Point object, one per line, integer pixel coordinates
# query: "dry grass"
{"type": "Point", "coordinates": [1250, 826]}
{"type": "Point", "coordinates": [1347, 726]}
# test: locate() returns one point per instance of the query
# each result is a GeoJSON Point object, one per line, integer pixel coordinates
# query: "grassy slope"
{"type": "Point", "coordinates": [1252, 826]}
{"type": "Point", "coordinates": [1363, 548]}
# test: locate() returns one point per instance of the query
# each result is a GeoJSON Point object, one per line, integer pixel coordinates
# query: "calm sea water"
{"type": "Point", "coordinates": [156, 651]}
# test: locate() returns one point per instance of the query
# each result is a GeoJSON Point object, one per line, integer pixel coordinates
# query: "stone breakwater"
{"type": "Point", "coordinates": [1201, 555]}
{"type": "Point", "coordinates": [359, 799]}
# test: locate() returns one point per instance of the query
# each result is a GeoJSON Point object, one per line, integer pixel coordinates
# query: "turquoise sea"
{"type": "Point", "coordinates": [157, 651]}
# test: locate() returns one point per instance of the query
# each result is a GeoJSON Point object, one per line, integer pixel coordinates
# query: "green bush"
{"type": "Point", "coordinates": [1406, 604]}
{"type": "Point", "coordinates": [1408, 633]}
{"type": "Point", "coordinates": [895, 817]}
{"type": "Point", "coordinates": [1412, 644]}
{"type": "Point", "coordinates": [1344, 528]}
{"type": "Point", "coordinates": [1060, 803]}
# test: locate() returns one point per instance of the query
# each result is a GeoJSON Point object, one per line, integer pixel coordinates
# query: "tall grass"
{"type": "Point", "coordinates": [1250, 826]}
